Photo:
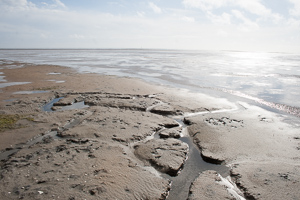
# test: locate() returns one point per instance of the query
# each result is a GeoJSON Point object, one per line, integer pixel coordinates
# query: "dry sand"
{"type": "Point", "coordinates": [99, 142]}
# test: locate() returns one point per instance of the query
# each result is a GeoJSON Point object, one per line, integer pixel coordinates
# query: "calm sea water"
{"type": "Point", "coordinates": [271, 80]}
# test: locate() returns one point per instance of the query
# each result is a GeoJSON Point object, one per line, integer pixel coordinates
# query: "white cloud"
{"type": "Point", "coordinates": [44, 36]}
{"type": "Point", "coordinates": [140, 13]}
{"type": "Point", "coordinates": [59, 4]}
{"type": "Point", "coordinates": [236, 27]}
{"type": "Point", "coordinates": [77, 36]}
{"type": "Point", "coordinates": [222, 33]}
{"type": "Point", "coordinates": [56, 4]}
{"type": "Point", "coordinates": [251, 6]}
{"type": "Point", "coordinates": [294, 23]}
{"type": "Point", "coordinates": [205, 4]}
{"type": "Point", "coordinates": [12, 5]}
{"type": "Point", "coordinates": [223, 19]}
{"type": "Point", "coordinates": [22, 5]}
{"type": "Point", "coordinates": [247, 24]}
{"type": "Point", "coordinates": [154, 7]}
{"type": "Point", "coordinates": [254, 6]}
{"type": "Point", "coordinates": [295, 11]}
{"type": "Point", "coordinates": [188, 19]}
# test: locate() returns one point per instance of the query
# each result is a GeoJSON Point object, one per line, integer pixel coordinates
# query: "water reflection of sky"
{"type": "Point", "coordinates": [273, 77]}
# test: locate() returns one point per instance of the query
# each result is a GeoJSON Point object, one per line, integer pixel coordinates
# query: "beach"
{"type": "Point", "coordinates": [70, 135]}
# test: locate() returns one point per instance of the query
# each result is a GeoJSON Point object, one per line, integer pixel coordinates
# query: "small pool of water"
{"type": "Point", "coordinates": [78, 105]}
{"type": "Point", "coordinates": [56, 81]}
{"type": "Point", "coordinates": [48, 106]}
{"type": "Point", "coordinates": [3, 85]}
{"type": "Point", "coordinates": [31, 92]}
{"type": "Point", "coordinates": [2, 79]}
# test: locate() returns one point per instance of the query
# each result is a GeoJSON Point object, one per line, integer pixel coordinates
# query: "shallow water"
{"type": "Point", "coordinates": [192, 167]}
{"type": "Point", "coordinates": [49, 105]}
{"type": "Point", "coordinates": [2, 77]}
{"type": "Point", "coordinates": [78, 105]}
{"type": "Point", "coordinates": [31, 92]}
{"type": "Point", "coordinates": [3, 85]}
{"type": "Point", "coordinates": [267, 79]}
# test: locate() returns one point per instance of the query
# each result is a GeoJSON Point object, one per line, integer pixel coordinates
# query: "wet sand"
{"type": "Point", "coordinates": [99, 140]}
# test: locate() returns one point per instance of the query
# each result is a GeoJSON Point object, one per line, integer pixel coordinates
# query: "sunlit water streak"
{"type": "Point", "coordinates": [269, 79]}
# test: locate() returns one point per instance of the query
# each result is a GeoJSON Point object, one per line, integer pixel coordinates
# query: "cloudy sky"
{"type": "Point", "coordinates": [247, 25]}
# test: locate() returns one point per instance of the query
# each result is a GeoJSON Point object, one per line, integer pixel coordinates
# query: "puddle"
{"type": "Point", "coordinates": [54, 73]}
{"type": "Point", "coordinates": [56, 81]}
{"type": "Point", "coordinates": [48, 106]}
{"type": "Point", "coordinates": [31, 92]}
{"type": "Point", "coordinates": [2, 77]}
{"type": "Point", "coordinates": [3, 85]}
{"type": "Point", "coordinates": [78, 105]}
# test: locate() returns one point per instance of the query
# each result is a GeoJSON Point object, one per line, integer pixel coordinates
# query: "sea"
{"type": "Point", "coordinates": [269, 80]}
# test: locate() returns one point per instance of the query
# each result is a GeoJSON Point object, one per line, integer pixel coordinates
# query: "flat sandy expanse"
{"type": "Point", "coordinates": [99, 139]}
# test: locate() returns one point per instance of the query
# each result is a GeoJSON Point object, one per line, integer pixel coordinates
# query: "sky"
{"type": "Point", "coordinates": [239, 25]}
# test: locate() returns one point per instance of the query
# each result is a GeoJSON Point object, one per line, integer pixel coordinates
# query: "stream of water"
{"type": "Point", "coordinates": [193, 165]}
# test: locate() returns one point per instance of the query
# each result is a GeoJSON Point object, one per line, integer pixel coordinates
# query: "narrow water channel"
{"type": "Point", "coordinates": [181, 183]}
{"type": "Point", "coordinates": [193, 166]}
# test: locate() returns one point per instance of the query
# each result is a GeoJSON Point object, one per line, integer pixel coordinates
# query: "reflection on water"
{"type": "Point", "coordinates": [31, 92]}
{"type": "Point", "coordinates": [193, 166]}
{"type": "Point", "coordinates": [3, 85]}
{"type": "Point", "coordinates": [77, 105]}
{"type": "Point", "coordinates": [271, 77]}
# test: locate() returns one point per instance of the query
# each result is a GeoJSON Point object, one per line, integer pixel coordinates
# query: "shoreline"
{"type": "Point", "coordinates": [112, 130]}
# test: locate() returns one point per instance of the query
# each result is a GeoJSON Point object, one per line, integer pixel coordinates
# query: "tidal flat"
{"type": "Point", "coordinates": [107, 137]}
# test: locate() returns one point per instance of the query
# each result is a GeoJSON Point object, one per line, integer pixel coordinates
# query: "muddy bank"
{"type": "Point", "coordinates": [98, 140]}
{"type": "Point", "coordinates": [262, 151]}
{"type": "Point", "coordinates": [91, 151]}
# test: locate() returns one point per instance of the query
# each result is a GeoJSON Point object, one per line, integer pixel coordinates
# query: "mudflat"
{"type": "Point", "coordinates": [66, 135]}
